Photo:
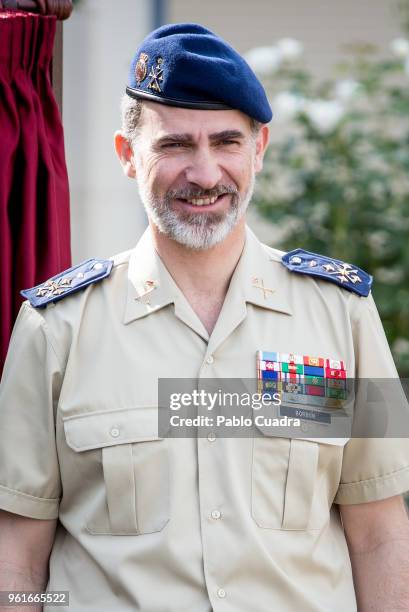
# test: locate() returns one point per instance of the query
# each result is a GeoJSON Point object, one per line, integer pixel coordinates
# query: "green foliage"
{"type": "Point", "coordinates": [341, 187]}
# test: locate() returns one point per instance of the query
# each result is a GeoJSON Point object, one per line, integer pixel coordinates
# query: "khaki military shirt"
{"type": "Point", "coordinates": [196, 524]}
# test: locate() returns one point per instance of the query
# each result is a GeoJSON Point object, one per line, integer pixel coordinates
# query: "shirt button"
{"type": "Point", "coordinates": [210, 359]}
{"type": "Point", "coordinates": [221, 593]}
{"type": "Point", "coordinates": [216, 514]}
{"type": "Point", "coordinates": [211, 437]}
{"type": "Point", "coordinates": [114, 432]}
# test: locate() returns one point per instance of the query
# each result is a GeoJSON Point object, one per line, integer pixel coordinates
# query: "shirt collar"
{"type": "Point", "coordinates": [150, 286]}
{"type": "Point", "coordinates": [262, 276]}
{"type": "Point", "coordinates": [259, 279]}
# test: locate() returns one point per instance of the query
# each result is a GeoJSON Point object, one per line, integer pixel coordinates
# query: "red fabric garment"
{"type": "Point", "coordinates": [34, 197]}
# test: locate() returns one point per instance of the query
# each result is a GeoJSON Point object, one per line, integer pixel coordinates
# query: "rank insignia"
{"type": "Point", "coordinates": [54, 287]}
{"type": "Point", "coordinates": [156, 76]}
{"type": "Point", "coordinates": [258, 283]}
{"type": "Point", "coordinates": [333, 270]}
{"type": "Point", "coordinates": [70, 281]}
{"type": "Point", "coordinates": [141, 68]}
{"type": "Point", "coordinates": [145, 296]}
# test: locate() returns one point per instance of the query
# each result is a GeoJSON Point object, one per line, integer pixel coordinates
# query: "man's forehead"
{"type": "Point", "coordinates": [161, 119]}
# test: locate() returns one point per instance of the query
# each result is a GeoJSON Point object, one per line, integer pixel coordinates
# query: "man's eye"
{"type": "Point", "coordinates": [173, 145]}
{"type": "Point", "coordinates": [229, 142]}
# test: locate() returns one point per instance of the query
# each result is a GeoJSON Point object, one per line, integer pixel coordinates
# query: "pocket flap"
{"type": "Point", "coordinates": [107, 428]}
{"type": "Point", "coordinates": [330, 441]}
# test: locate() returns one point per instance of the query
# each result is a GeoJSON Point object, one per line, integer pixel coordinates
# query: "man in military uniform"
{"type": "Point", "coordinates": [135, 520]}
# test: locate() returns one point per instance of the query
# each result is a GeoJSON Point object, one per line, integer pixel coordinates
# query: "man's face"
{"type": "Point", "coordinates": [195, 171]}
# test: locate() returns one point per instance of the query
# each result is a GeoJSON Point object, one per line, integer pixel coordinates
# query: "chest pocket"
{"type": "Point", "coordinates": [294, 481]}
{"type": "Point", "coordinates": [125, 465]}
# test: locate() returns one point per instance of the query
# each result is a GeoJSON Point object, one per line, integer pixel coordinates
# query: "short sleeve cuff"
{"type": "Point", "coordinates": [27, 505]}
{"type": "Point", "coordinates": [373, 489]}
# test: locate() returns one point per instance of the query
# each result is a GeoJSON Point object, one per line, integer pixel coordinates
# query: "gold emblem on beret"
{"type": "Point", "coordinates": [141, 68]}
{"type": "Point", "coordinates": [156, 75]}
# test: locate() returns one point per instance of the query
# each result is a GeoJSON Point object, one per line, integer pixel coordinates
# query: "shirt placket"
{"type": "Point", "coordinates": [215, 511]}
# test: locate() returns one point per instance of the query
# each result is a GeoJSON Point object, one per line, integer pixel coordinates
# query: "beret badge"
{"type": "Point", "coordinates": [141, 68]}
{"type": "Point", "coordinates": [156, 75]}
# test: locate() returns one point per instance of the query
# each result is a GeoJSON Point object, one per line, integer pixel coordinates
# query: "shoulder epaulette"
{"type": "Point", "coordinates": [70, 281]}
{"type": "Point", "coordinates": [343, 274]}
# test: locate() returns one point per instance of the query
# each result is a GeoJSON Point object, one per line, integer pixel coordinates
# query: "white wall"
{"type": "Point", "coordinates": [100, 39]}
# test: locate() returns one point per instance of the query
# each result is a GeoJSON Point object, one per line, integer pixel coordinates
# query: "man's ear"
{"type": "Point", "coordinates": [262, 139]}
{"type": "Point", "coordinates": [125, 154]}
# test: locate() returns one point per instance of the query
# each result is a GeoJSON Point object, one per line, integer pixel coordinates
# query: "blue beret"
{"type": "Point", "coordinates": [186, 65]}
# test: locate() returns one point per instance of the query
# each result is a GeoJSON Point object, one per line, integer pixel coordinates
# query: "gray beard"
{"type": "Point", "coordinates": [201, 231]}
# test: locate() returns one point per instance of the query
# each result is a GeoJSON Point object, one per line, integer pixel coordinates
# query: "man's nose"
{"type": "Point", "coordinates": [203, 169]}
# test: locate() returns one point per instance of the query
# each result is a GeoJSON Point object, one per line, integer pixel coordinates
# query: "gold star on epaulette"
{"type": "Point", "coordinates": [54, 287]}
{"type": "Point", "coordinates": [42, 292]}
{"type": "Point", "coordinates": [344, 272]}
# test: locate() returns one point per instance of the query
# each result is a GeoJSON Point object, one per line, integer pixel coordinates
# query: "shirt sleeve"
{"type": "Point", "coordinates": [29, 473]}
{"type": "Point", "coordinates": [375, 468]}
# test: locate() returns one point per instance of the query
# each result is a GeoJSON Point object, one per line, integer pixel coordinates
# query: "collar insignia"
{"type": "Point", "coordinates": [258, 283]}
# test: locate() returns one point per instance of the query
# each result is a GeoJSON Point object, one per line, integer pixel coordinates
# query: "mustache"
{"type": "Point", "coordinates": [189, 193]}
